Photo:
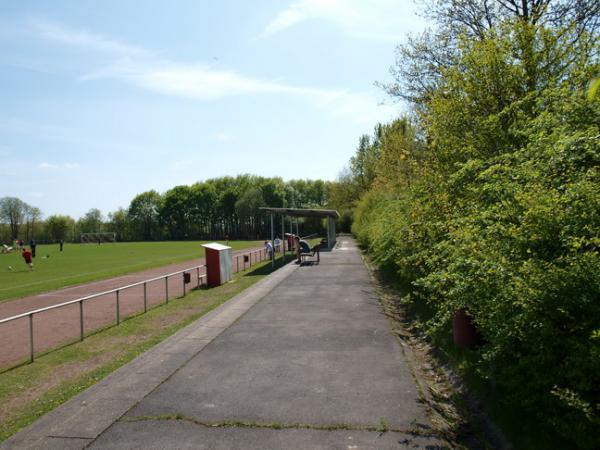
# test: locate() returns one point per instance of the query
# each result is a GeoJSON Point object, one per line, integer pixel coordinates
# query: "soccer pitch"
{"type": "Point", "coordinates": [81, 263]}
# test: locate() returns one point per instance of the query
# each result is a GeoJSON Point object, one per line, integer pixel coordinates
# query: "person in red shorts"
{"type": "Point", "coordinates": [27, 257]}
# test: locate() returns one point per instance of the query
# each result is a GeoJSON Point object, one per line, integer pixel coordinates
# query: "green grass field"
{"type": "Point", "coordinates": [89, 262]}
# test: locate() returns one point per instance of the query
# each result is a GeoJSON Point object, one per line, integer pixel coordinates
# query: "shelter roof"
{"type": "Point", "coordinates": [301, 212]}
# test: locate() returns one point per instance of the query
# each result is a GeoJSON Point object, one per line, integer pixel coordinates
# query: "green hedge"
{"type": "Point", "coordinates": [514, 238]}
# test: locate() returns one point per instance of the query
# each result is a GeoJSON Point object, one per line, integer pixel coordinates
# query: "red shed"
{"type": "Point", "coordinates": [219, 264]}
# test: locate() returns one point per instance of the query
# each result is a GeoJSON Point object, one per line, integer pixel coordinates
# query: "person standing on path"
{"type": "Point", "coordinates": [32, 246]}
{"type": "Point", "coordinates": [27, 257]}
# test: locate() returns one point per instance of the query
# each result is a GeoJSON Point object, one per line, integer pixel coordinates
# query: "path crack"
{"type": "Point", "coordinates": [70, 437]}
{"type": "Point", "coordinates": [415, 430]}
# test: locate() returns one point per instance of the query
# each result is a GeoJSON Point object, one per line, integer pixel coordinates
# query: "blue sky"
{"type": "Point", "coordinates": [102, 100]}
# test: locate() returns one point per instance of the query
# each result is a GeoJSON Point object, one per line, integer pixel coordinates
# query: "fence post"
{"type": "Point", "coordinates": [81, 320]}
{"type": "Point", "coordinates": [198, 276]}
{"type": "Point", "coordinates": [118, 312]}
{"type": "Point", "coordinates": [237, 261]}
{"type": "Point", "coordinates": [183, 278]}
{"type": "Point", "coordinates": [145, 299]}
{"type": "Point", "coordinates": [167, 289]}
{"type": "Point", "coordinates": [30, 337]}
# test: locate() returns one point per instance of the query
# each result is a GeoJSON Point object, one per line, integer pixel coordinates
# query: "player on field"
{"type": "Point", "coordinates": [27, 257]}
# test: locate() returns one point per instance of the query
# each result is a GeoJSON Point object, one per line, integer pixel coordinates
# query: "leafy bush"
{"type": "Point", "coordinates": [513, 236]}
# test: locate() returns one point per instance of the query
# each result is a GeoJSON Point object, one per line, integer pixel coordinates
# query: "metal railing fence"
{"type": "Point", "coordinates": [243, 262]}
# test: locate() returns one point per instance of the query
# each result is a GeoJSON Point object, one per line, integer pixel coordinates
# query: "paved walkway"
{"type": "Point", "coordinates": [303, 359]}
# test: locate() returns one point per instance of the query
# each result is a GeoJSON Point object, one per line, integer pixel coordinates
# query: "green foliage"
{"type": "Point", "coordinates": [594, 88]}
{"type": "Point", "coordinates": [144, 214]}
{"type": "Point", "coordinates": [91, 222]}
{"type": "Point", "coordinates": [12, 212]}
{"type": "Point", "coordinates": [213, 209]}
{"type": "Point", "coordinates": [58, 227]}
{"type": "Point", "coordinates": [491, 203]}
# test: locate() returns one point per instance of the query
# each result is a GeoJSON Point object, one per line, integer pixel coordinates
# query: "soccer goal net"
{"type": "Point", "coordinates": [98, 238]}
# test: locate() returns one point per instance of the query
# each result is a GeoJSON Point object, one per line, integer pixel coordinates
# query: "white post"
{"type": "Point", "coordinates": [330, 232]}
{"type": "Point", "coordinates": [282, 247]}
{"type": "Point", "coordinates": [272, 240]}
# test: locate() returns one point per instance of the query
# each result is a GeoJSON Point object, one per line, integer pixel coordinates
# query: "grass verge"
{"type": "Point", "coordinates": [30, 391]}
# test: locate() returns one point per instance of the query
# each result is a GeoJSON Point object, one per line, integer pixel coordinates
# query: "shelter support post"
{"type": "Point", "coordinates": [272, 240]}
{"type": "Point", "coordinates": [330, 232]}
{"type": "Point", "coordinates": [282, 242]}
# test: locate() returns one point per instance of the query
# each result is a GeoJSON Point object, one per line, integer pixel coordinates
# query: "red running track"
{"type": "Point", "coordinates": [61, 326]}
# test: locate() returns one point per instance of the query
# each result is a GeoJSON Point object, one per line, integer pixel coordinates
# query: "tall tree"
{"type": "Point", "coordinates": [421, 61]}
{"type": "Point", "coordinates": [176, 211]}
{"type": "Point", "coordinates": [144, 215]}
{"type": "Point", "coordinates": [33, 215]}
{"type": "Point", "coordinates": [91, 222]}
{"type": "Point", "coordinates": [118, 223]}
{"type": "Point", "coordinates": [58, 227]}
{"type": "Point", "coordinates": [204, 199]}
{"type": "Point", "coordinates": [12, 211]}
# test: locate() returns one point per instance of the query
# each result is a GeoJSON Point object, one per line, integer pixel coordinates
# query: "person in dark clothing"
{"type": "Point", "coordinates": [61, 243]}
{"type": "Point", "coordinates": [304, 246]}
{"type": "Point", "coordinates": [301, 247]}
{"type": "Point", "coordinates": [32, 246]}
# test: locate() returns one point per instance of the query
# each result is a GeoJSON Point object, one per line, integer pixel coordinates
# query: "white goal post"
{"type": "Point", "coordinates": [98, 238]}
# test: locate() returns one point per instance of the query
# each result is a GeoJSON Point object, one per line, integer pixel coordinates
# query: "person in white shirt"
{"type": "Point", "coordinates": [269, 249]}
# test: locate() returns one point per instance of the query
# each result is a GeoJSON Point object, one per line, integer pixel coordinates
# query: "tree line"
{"type": "Point", "coordinates": [485, 198]}
{"type": "Point", "coordinates": [213, 209]}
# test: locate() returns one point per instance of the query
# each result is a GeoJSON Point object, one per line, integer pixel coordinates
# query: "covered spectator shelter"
{"type": "Point", "coordinates": [329, 214]}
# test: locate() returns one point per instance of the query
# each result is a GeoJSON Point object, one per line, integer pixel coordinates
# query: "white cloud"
{"type": "Point", "coordinates": [223, 137]}
{"type": "Point", "coordinates": [285, 19]}
{"type": "Point", "coordinates": [382, 20]}
{"type": "Point", "coordinates": [201, 82]}
{"type": "Point", "coordinates": [65, 166]}
{"type": "Point", "coordinates": [145, 70]}
{"type": "Point", "coordinates": [52, 31]}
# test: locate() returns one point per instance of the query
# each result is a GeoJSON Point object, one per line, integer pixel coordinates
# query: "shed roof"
{"type": "Point", "coordinates": [301, 212]}
{"type": "Point", "coordinates": [215, 246]}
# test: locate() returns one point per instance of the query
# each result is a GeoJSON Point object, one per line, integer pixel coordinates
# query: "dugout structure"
{"type": "Point", "coordinates": [98, 238]}
{"type": "Point", "coordinates": [329, 214]}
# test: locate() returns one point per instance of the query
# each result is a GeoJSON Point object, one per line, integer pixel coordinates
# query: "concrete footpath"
{"type": "Point", "coordinates": [303, 359]}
